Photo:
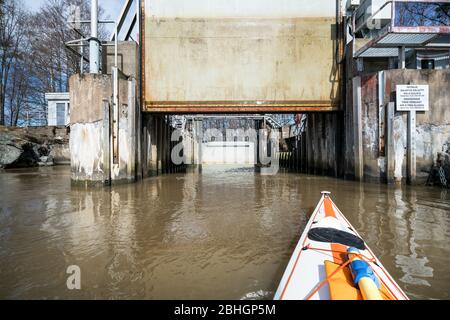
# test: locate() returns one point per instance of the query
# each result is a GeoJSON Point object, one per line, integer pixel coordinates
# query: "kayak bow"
{"type": "Point", "coordinates": [332, 262]}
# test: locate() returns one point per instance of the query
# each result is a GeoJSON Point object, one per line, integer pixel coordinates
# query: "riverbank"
{"type": "Point", "coordinates": [33, 147]}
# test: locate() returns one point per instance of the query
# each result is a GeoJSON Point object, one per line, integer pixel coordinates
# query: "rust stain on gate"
{"type": "Point", "coordinates": [249, 65]}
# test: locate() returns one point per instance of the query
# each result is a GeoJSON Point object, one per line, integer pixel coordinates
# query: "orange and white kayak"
{"type": "Point", "coordinates": [332, 262]}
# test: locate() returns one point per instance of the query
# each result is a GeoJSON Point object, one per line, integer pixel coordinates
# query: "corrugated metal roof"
{"type": "Point", "coordinates": [379, 52]}
{"type": "Point", "coordinates": [406, 39]}
{"type": "Point", "coordinates": [386, 45]}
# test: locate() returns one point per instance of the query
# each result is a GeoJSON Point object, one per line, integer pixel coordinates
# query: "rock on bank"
{"type": "Point", "coordinates": [33, 146]}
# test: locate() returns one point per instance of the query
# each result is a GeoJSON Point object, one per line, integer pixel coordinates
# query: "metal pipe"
{"type": "Point", "coordinates": [81, 59]}
{"type": "Point", "coordinates": [122, 17]}
{"type": "Point", "coordinates": [138, 18]}
{"type": "Point", "coordinates": [373, 15]}
{"type": "Point", "coordinates": [94, 44]}
{"type": "Point", "coordinates": [116, 44]}
{"type": "Point", "coordinates": [89, 21]}
{"type": "Point", "coordinates": [71, 42]}
{"type": "Point", "coordinates": [402, 57]}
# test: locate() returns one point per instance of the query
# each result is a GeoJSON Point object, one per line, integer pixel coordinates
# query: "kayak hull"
{"type": "Point", "coordinates": [308, 273]}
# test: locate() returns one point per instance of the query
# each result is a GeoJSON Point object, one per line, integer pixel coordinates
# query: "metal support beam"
{"type": "Point", "coordinates": [106, 141]}
{"type": "Point", "coordinates": [94, 44]}
{"type": "Point", "coordinates": [122, 17]}
{"type": "Point", "coordinates": [411, 148]}
{"type": "Point", "coordinates": [130, 29]}
{"type": "Point", "coordinates": [381, 113]}
{"type": "Point", "coordinates": [401, 58]}
{"type": "Point", "coordinates": [115, 116]}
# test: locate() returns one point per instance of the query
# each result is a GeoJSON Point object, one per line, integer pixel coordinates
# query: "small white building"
{"type": "Point", "coordinates": [58, 108]}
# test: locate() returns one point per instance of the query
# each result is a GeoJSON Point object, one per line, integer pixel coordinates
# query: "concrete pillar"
{"type": "Point", "coordinates": [106, 122]}
{"type": "Point", "coordinates": [90, 129]}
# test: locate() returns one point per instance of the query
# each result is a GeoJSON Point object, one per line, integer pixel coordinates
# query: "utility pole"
{"type": "Point", "coordinates": [94, 43]}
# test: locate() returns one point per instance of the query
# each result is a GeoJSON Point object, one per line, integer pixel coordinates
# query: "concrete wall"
{"type": "Point", "coordinates": [228, 152]}
{"type": "Point", "coordinates": [128, 58]}
{"type": "Point", "coordinates": [432, 127]}
{"type": "Point", "coordinates": [236, 51]}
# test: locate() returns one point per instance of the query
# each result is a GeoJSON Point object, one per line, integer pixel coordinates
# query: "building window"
{"type": "Point", "coordinates": [60, 114]}
{"type": "Point", "coordinates": [427, 64]}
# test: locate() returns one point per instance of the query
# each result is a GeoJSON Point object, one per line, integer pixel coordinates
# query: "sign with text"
{"type": "Point", "coordinates": [412, 98]}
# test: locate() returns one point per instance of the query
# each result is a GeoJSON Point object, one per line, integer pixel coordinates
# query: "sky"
{"type": "Point", "coordinates": [112, 7]}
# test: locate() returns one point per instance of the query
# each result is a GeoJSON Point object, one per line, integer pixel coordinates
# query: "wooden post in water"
{"type": "Point", "coordinates": [390, 153]}
{"type": "Point", "coordinates": [159, 134]}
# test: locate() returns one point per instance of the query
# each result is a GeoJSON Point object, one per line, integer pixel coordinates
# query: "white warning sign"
{"type": "Point", "coordinates": [412, 98]}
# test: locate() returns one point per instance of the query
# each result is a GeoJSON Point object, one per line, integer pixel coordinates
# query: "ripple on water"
{"type": "Point", "coordinates": [225, 234]}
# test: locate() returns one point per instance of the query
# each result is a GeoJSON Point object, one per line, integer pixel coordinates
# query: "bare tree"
{"type": "Point", "coordinates": [53, 63]}
{"type": "Point", "coordinates": [12, 38]}
{"type": "Point", "coordinates": [423, 13]}
{"type": "Point", "coordinates": [19, 86]}
{"type": "Point", "coordinates": [33, 57]}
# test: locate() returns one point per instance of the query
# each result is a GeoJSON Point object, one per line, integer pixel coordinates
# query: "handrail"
{"type": "Point", "coordinates": [378, 11]}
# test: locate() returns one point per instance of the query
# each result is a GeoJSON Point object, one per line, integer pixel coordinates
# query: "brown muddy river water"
{"type": "Point", "coordinates": [225, 234]}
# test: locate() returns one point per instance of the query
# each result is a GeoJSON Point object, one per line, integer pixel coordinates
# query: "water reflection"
{"type": "Point", "coordinates": [225, 234]}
